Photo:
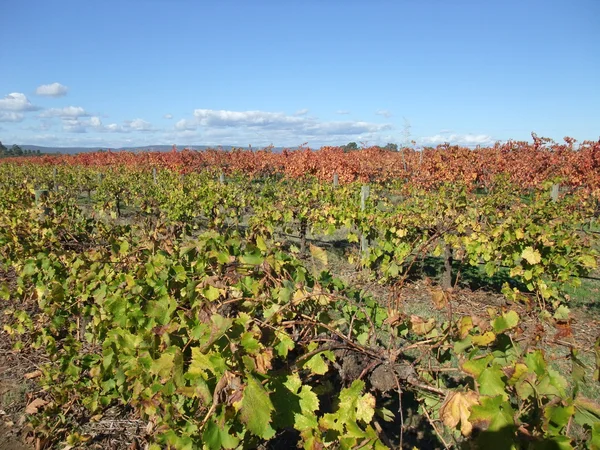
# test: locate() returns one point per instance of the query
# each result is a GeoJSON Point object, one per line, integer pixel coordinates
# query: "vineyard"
{"type": "Point", "coordinates": [311, 299]}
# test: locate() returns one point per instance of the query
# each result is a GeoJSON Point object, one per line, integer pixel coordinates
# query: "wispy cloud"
{"type": "Point", "coordinates": [468, 140]}
{"type": "Point", "coordinates": [52, 90]}
{"type": "Point", "coordinates": [168, 116]}
{"type": "Point", "coordinates": [301, 112]}
{"type": "Point", "coordinates": [342, 112]}
{"type": "Point", "coordinates": [383, 112]}
{"type": "Point", "coordinates": [16, 101]}
{"type": "Point", "coordinates": [11, 116]}
{"type": "Point", "coordinates": [66, 112]}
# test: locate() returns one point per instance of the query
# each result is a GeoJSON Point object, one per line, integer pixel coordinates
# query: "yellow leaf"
{"type": "Point", "coordinates": [464, 326]}
{"type": "Point", "coordinates": [531, 256]}
{"type": "Point", "coordinates": [319, 254]}
{"type": "Point", "coordinates": [484, 339]}
{"type": "Point", "coordinates": [457, 409]}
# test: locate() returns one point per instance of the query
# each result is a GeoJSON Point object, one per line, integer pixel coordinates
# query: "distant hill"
{"type": "Point", "coordinates": [154, 148]}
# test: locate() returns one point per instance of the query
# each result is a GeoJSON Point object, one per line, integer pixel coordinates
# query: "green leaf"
{"type": "Point", "coordinates": [492, 413]}
{"type": "Point", "coordinates": [4, 292]}
{"type": "Point", "coordinates": [317, 364]}
{"type": "Point", "coordinates": [286, 344]}
{"type": "Point", "coordinates": [556, 418]}
{"type": "Point", "coordinates": [562, 313]}
{"type": "Point", "coordinates": [595, 440]}
{"type": "Point", "coordinates": [587, 412]}
{"type": "Point", "coordinates": [531, 256]}
{"type": "Point", "coordinates": [260, 243]}
{"type": "Point", "coordinates": [588, 261]}
{"type": "Point", "coordinates": [249, 342]}
{"type": "Point", "coordinates": [461, 346]}
{"type": "Point", "coordinates": [124, 248]}
{"type": "Point", "coordinates": [163, 366]}
{"type": "Point", "coordinates": [256, 409]}
{"type": "Point", "coordinates": [253, 259]}
{"type": "Point", "coordinates": [491, 383]}
{"type": "Point", "coordinates": [365, 408]}
{"type": "Point", "coordinates": [474, 367]}
{"type": "Point", "coordinates": [309, 402]}
{"type": "Point", "coordinates": [505, 322]}
{"type": "Point", "coordinates": [552, 383]}
{"type": "Point", "coordinates": [216, 436]}
{"type": "Point", "coordinates": [211, 293]}
{"type": "Point", "coordinates": [536, 362]}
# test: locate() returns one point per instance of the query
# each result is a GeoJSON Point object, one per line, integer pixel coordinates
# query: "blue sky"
{"type": "Point", "coordinates": [139, 72]}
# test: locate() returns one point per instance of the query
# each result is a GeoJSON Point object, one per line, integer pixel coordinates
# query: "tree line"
{"type": "Point", "coordinates": [15, 150]}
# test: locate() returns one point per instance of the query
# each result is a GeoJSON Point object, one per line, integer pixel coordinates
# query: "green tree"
{"type": "Point", "coordinates": [391, 147]}
{"type": "Point", "coordinates": [352, 146]}
{"type": "Point", "coordinates": [16, 150]}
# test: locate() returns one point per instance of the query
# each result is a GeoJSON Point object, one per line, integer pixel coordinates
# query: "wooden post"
{"type": "Point", "coordinates": [40, 196]}
{"type": "Point", "coordinates": [364, 195]}
{"type": "Point", "coordinates": [421, 157]}
{"type": "Point", "coordinates": [447, 275]}
{"type": "Point", "coordinates": [554, 192]}
{"type": "Point", "coordinates": [154, 177]}
{"type": "Point", "coordinates": [54, 173]}
{"type": "Point", "coordinates": [222, 178]}
{"type": "Point", "coordinates": [336, 180]}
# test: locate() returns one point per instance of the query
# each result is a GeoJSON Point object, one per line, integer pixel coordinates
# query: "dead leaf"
{"type": "Point", "coordinates": [394, 317]}
{"type": "Point", "coordinates": [263, 360]}
{"type": "Point", "coordinates": [439, 298]}
{"type": "Point", "coordinates": [419, 326]}
{"type": "Point", "coordinates": [482, 324]}
{"type": "Point", "coordinates": [33, 407]}
{"type": "Point", "coordinates": [457, 408]}
{"type": "Point", "coordinates": [564, 330]}
{"type": "Point", "coordinates": [34, 374]}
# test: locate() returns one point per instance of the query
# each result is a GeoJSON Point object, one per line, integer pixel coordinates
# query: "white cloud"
{"type": "Point", "coordinates": [11, 117]}
{"type": "Point", "coordinates": [66, 112]}
{"type": "Point", "coordinates": [95, 122]}
{"type": "Point", "coordinates": [342, 111]}
{"type": "Point", "coordinates": [52, 90]}
{"type": "Point", "coordinates": [468, 140]}
{"type": "Point", "coordinates": [277, 121]}
{"type": "Point", "coordinates": [445, 131]}
{"type": "Point", "coordinates": [113, 127]}
{"type": "Point", "coordinates": [74, 125]}
{"type": "Point", "coordinates": [383, 112]}
{"type": "Point", "coordinates": [139, 125]}
{"type": "Point", "coordinates": [262, 128]}
{"type": "Point", "coordinates": [223, 118]}
{"type": "Point", "coordinates": [186, 125]}
{"type": "Point", "coordinates": [16, 102]}
{"type": "Point", "coordinates": [301, 112]}
{"type": "Point", "coordinates": [168, 116]}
